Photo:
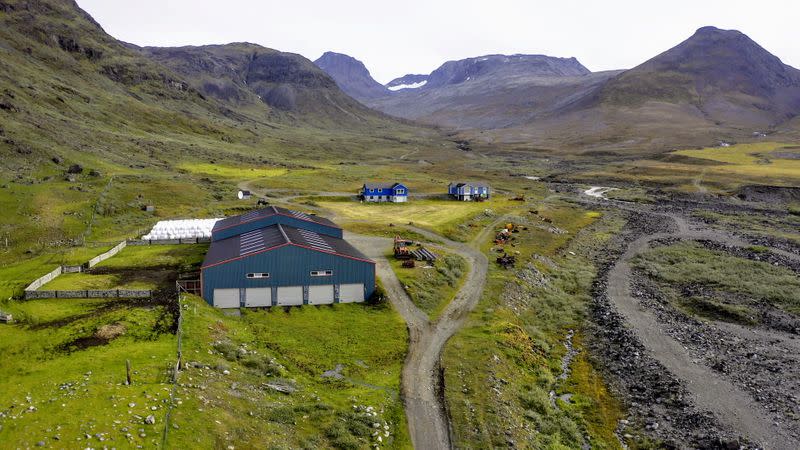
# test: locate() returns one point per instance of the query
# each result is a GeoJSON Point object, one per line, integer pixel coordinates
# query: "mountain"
{"type": "Point", "coordinates": [351, 75]}
{"type": "Point", "coordinates": [70, 92]}
{"type": "Point", "coordinates": [724, 74]}
{"type": "Point", "coordinates": [718, 84]}
{"type": "Point", "coordinates": [409, 81]}
{"type": "Point", "coordinates": [503, 66]}
{"type": "Point", "coordinates": [488, 92]}
{"type": "Point", "coordinates": [249, 76]}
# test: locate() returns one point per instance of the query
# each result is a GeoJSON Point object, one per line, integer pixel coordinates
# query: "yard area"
{"type": "Point", "coordinates": [311, 377]}
{"type": "Point", "coordinates": [135, 267]}
{"type": "Point", "coordinates": [441, 216]}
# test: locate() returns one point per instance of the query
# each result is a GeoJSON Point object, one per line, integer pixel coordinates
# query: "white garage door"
{"type": "Point", "coordinates": [226, 298]}
{"type": "Point", "coordinates": [290, 295]}
{"type": "Point", "coordinates": [256, 297]}
{"type": "Point", "coordinates": [320, 295]}
{"type": "Point", "coordinates": [349, 293]}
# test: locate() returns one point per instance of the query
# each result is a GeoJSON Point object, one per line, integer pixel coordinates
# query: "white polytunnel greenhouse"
{"type": "Point", "coordinates": [181, 229]}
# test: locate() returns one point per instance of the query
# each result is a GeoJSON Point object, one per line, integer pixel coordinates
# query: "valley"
{"type": "Point", "coordinates": [631, 282]}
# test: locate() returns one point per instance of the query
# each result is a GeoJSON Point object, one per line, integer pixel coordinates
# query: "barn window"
{"type": "Point", "coordinates": [321, 273]}
{"type": "Point", "coordinates": [258, 275]}
{"type": "Point", "coordinates": [401, 191]}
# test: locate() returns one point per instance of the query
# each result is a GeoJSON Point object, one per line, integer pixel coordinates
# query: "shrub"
{"type": "Point", "coordinates": [227, 349]}
{"type": "Point", "coordinates": [378, 297]}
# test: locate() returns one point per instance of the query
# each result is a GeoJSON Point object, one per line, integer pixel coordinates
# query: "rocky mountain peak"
{"type": "Point", "coordinates": [351, 75]}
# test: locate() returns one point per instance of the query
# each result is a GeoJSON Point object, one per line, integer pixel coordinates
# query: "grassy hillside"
{"type": "Point", "coordinates": [70, 95]}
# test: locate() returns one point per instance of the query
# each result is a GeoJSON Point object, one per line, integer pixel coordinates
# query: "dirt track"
{"type": "Point", "coordinates": [733, 406]}
{"type": "Point", "coordinates": [422, 395]}
{"type": "Point", "coordinates": [421, 381]}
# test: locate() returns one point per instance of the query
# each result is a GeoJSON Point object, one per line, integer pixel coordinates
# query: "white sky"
{"type": "Point", "coordinates": [415, 36]}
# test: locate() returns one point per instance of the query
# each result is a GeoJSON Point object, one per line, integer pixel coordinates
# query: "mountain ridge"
{"type": "Point", "coordinates": [351, 75]}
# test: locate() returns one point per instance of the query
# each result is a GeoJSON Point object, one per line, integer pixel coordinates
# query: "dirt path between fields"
{"type": "Point", "coordinates": [421, 379]}
{"type": "Point", "coordinates": [731, 405]}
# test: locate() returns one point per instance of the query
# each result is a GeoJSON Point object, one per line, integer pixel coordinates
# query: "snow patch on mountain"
{"type": "Point", "coordinates": [408, 86]}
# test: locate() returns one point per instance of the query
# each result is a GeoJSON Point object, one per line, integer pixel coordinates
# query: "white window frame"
{"type": "Point", "coordinates": [400, 192]}
{"type": "Point", "coordinates": [257, 275]}
{"type": "Point", "coordinates": [322, 273]}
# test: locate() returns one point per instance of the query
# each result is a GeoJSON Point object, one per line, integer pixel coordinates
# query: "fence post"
{"type": "Point", "coordinates": [128, 371]}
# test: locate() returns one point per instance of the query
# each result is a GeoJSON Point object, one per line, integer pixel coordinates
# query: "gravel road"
{"type": "Point", "coordinates": [421, 379]}
{"type": "Point", "coordinates": [733, 406]}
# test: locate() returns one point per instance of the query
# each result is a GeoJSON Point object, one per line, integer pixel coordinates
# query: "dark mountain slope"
{"type": "Point", "coordinates": [717, 85]}
{"type": "Point", "coordinates": [493, 91]}
{"type": "Point", "coordinates": [351, 75]}
{"type": "Point", "coordinates": [248, 76]}
{"type": "Point", "coordinates": [503, 66]}
{"type": "Point", "coordinates": [722, 73]}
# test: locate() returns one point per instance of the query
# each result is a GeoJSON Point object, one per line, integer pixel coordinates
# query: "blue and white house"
{"type": "Point", "coordinates": [466, 191]}
{"type": "Point", "coordinates": [384, 192]}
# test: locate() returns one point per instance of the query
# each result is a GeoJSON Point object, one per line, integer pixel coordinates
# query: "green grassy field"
{"type": "Point", "coordinates": [785, 228]}
{"type": "Point", "coordinates": [442, 216]}
{"type": "Point", "coordinates": [752, 160]}
{"type": "Point", "coordinates": [753, 282]}
{"type": "Point", "coordinates": [237, 173]}
{"type": "Point", "coordinates": [291, 347]}
{"type": "Point", "coordinates": [64, 373]}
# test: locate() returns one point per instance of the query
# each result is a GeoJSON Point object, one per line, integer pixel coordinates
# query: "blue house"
{"type": "Point", "coordinates": [466, 191]}
{"type": "Point", "coordinates": [384, 192]}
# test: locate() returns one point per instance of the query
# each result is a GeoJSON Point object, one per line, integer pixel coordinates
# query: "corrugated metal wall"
{"type": "Point", "coordinates": [288, 266]}
{"type": "Point", "coordinates": [272, 220]}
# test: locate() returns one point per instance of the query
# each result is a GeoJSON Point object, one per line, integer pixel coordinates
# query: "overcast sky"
{"type": "Point", "coordinates": [415, 36]}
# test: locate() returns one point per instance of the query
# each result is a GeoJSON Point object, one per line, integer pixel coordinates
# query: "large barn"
{"type": "Point", "coordinates": [277, 257]}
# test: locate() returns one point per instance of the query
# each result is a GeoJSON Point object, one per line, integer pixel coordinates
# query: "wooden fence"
{"type": "Point", "coordinates": [89, 293]}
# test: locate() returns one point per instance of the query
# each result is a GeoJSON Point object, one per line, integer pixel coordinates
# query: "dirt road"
{"type": "Point", "coordinates": [421, 380]}
{"type": "Point", "coordinates": [730, 404]}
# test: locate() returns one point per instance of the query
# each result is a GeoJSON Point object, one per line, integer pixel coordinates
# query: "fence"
{"type": "Point", "coordinates": [31, 289]}
{"type": "Point", "coordinates": [44, 280]}
{"type": "Point", "coordinates": [175, 369]}
{"type": "Point", "coordinates": [169, 241]}
{"type": "Point", "coordinates": [189, 286]}
{"type": "Point", "coordinates": [102, 257]}
{"type": "Point", "coordinates": [106, 293]}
